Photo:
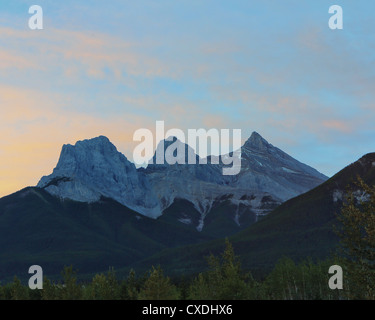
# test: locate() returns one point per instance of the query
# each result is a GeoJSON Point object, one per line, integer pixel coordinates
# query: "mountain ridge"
{"type": "Point", "coordinates": [93, 168]}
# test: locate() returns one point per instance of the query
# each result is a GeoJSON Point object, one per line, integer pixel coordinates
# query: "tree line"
{"type": "Point", "coordinates": [224, 280]}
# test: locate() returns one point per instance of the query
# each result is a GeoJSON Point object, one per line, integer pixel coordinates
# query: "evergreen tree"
{"type": "Point", "coordinates": [200, 289]}
{"type": "Point", "coordinates": [158, 287]}
{"type": "Point", "coordinates": [132, 286]}
{"type": "Point", "coordinates": [6, 291]}
{"type": "Point", "coordinates": [70, 290]}
{"type": "Point", "coordinates": [357, 239]}
{"type": "Point", "coordinates": [104, 287]}
{"type": "Point", "coordinates": [18, 291]}
{"type": "Point", "coordinates": [224, 280]}
{"type": "Point", "coordinates": [50, 291]}
{"type": "Point", "coordinates": [281, 282]}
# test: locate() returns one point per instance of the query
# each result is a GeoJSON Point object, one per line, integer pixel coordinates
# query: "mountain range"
{"type": "Point", "coordinates": [93, 168]}
{"type": "Point", "coordinates": [97, 210]}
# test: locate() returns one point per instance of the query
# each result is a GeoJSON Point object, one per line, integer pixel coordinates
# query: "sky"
{"type": "Point", "coordinates": [112, 67]}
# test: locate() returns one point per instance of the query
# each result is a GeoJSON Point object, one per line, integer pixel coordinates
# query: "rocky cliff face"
{"type": "Point", "coordinates": [94, 168]}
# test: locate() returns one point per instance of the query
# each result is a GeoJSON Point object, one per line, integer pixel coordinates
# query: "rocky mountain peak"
{"type": "Point", "coordinates": [94, 168]}
{"type": "Point", "coordinates": [257, 142]}
{"type": "Point", "coordinates": [179, 150]}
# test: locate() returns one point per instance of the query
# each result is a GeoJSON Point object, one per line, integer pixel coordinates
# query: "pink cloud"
{"type": "Point", "coordinates": [337, 125]}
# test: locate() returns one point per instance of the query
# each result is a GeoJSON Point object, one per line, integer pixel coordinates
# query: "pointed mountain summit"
{"type": "Point", "coordinates": [256, 141]}
{"type": "Point", "coordinates": [172, 149]}
{"type": "Point", "coordinates": [269, 168]}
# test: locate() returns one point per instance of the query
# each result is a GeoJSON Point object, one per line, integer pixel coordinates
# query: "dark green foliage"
{"type": "Point", "coordinates": [103, 287]}
{"type": "Point", "coordinates": [18, 291]}
{"type": "Point", "coordinates": [70, 290]}
{"type": "Point", "coordinates": [6, 292]}
{"type": "Point", "coordinates": [305, 281]}
{"type": "Point", "coordinates": [224, 280]}
{"type": "Point", "coordinates": [132, 286]}
{"type": "Point", "coordinates": [158, 287]}
{"type": "Point", "coordinates": [50, 290]}
{"type": "Point", "coordinates": [357, 239]}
